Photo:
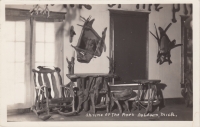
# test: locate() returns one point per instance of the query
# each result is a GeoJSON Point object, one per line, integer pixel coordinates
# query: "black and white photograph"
{"type": "Point", "coordinates": [91, 64]}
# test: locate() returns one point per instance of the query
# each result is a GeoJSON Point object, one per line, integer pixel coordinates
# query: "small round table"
{"type": "Point", "coordinates": [145, 86]}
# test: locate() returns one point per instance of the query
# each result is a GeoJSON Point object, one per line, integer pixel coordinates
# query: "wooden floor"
{"type": "Point", "coordinates": [171, 112]}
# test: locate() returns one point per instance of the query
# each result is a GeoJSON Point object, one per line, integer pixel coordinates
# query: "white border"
{"type": "Point", "coordinates": [194, 123]}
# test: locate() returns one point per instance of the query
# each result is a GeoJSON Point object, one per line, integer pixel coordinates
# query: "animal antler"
{"type": "Point", "coordinates": [156, 36]}
{"type": "Point", "coordinates": [38, 9]}
{"type": "Point", "coordinates": [83, 19]}
{"type": "Point", "coordinates": [157, 8]}
{"type": "Point", "coordinates": [168, 27]}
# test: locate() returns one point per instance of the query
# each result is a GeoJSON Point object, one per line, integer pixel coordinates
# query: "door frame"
{"type": "Point", "coordinates": [112, 13]}
{"type": "Point", "coordinates": [183, 42]}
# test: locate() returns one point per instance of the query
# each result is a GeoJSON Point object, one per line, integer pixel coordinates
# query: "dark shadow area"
{"type": "Point", "coordinates": [160, 87]}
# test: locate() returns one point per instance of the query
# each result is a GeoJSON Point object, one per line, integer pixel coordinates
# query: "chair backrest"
{"type": "Point", "coordinates": [48, 77]}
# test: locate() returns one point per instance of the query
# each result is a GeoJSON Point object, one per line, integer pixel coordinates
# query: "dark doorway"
{"type": "Point", "coordinates": [129, 42]}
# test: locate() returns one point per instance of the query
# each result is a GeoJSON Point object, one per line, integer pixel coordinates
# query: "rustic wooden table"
{"type": "Point", "coordinates": [150, 87]}
{"type": "Point", "coordinates": [88, 87]}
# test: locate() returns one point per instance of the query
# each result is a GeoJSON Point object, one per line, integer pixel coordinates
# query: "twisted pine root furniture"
{"type": "Point", "coordinates": [92, 86]}
{"type": "Point", "coordinates": [146, 97]}
{"type": "Point", "coordinates": [123, 93]}
{"type": "Point", "coordinates": [149, 100]}
{"type": "Point", "coordinates": [45, 104]}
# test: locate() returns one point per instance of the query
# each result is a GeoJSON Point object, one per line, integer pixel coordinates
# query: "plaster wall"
{"type": "Point", "coordinates": [168, 74]}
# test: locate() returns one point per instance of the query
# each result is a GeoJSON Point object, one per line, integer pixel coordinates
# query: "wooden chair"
{"type": "Point", "coordinates": [45, 85]}
{"type": "Point", "coordinates": [123, 93]}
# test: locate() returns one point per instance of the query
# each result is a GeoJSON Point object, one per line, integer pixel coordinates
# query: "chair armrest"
{"type": "Point", "coordinates": [63, 85]}
{"type": "Point", "coordinates": [69, 85]}
{"type": "Point", "coordinates": [40, 87]}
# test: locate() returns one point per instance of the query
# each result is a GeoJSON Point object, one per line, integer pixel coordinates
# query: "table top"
{"type": "Point", "coordinates": [84, 75]}
{"type": "Point", "coordinates": [145, 81]}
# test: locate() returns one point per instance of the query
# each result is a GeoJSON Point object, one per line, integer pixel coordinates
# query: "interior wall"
{"type": "Point", "coordinates": [168, 74]}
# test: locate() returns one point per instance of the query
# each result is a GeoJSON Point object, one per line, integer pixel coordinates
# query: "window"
{"type": "Point", "coordinates": [15, 59]}
{"type": "Point", "coordinates": [45, 48]}
{"type": "Point", "coordinates": [30, 42]}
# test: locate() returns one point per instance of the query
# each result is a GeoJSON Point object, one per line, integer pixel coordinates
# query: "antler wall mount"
{"type": "Point", "coordinates": [90, 44]}
{"type": "Point", "coordinates": [164, 45]}
{"type": "Point", "coordinates": [38, 9]}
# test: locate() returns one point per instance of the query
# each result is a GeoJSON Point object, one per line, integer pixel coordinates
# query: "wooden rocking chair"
{"type": "Point", "coordinates": [45, 104]}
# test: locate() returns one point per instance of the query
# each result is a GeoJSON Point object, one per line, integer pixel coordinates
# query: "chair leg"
{"type": "Point", "coordinates": [107, 103]}
{"type": "Point", "coordinates": [134, 105]}
{"type": "Point", "coordinates": [73, 105]}
{"type": "Point", "coordinates": [119, 106]}
{"type": "Point", "coordinates": [46, 117]}
{"type": "Point", "coordinates": [111, 104]}
{"type": "Point", "coordinates": [127, 105]}
{"type": "Point", "coordinates": [79, 103]}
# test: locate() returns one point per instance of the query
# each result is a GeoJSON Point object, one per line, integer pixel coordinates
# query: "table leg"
{"type": "Point", "coordinates": [111, 101]}
{"type": "Point", "coordinates": [107, 102]}
{"type": "Point", "coordinates": [92, 97]}
{"type": "Point", "coordinates": [85, 106]}
{"type": "Point", "coordinates": [134, 105]}
{"type": "Point", "coordinates": [148, 106]}
{"type": "Point", "coordinates": [126, 103]}
{"type": "Point", "coordinates": [155, 96]}
{"type": "Point", "coordinates": [105, 86]}
{"type": "Point", "coordinates": [86, 90]}
{"type": "Point", "coordinates": [80, 92]}
{"type": "Point", "coordinates": [119, 106]}
{"type": "Point", "coordinates": [138, 96]}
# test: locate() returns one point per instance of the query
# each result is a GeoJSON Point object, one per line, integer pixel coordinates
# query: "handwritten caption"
{"type": "Point", "coordinates": [161, 114]}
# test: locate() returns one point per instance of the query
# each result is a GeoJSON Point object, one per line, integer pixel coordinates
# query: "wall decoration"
{"type": "Point", "coordinates": [185, 9]}
{"type": "Point", "coordinates": [112, 5]}
{"type": "Point", "coordinates": [44, 9]}
{"type": "Point", "coordinates": [90, 44]}
{"type": "Point", "coordinates": [72, 33]}
{"type": "Point", "coordinates": [71, 64]}
{"type": "Point", "coordinates": [164, 45]}
{"type": "Point", "coordinates": [137, 6]}
{"type": "Point", "coordinates": [149, 9]}
{"type": "Point", "coordinates": [37, 9]}
{"type": "Point", "coordinates": [157, 8]}
{"type": "Point", "coordinates": [111, 65]}
{"type": "Point", "coordinates": [87, 6]}
{"type": "Point", "coordinates": [174, 10]}
{"type": "Point", "coordinates": [143, 6]}
{"type": "Point", "coordinates": [71, 5]}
